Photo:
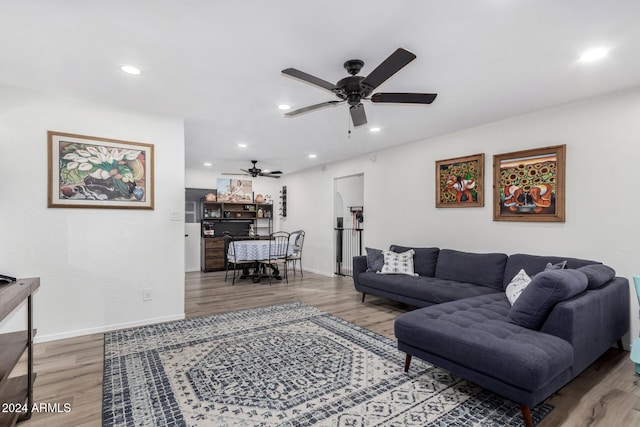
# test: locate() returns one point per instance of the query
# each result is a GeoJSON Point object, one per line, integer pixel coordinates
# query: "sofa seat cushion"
{"type": "Point", "coordinates": [476, 334]}
{"type": "Point", "coordinates": [429, 289]}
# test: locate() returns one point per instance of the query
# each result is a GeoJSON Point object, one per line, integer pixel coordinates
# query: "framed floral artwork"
{"type": "Point", "coordinates": [529, 185]}
{"type": "Point", "coordinates": [92, 172]}
{"type": "Point", "coordinates": [460, 182]}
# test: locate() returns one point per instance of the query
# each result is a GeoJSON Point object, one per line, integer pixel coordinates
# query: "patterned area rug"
{"type": "Point", "coordinates": [284, 365]}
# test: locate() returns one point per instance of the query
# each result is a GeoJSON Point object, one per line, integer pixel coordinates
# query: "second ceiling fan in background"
{"type": "Point", "coordinates": [255, 171]}
{"type": "Point", "coordinates": [353, 89]}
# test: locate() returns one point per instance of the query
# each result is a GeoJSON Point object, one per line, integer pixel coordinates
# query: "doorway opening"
{"type": "Point", "coordinates": [348, 221]}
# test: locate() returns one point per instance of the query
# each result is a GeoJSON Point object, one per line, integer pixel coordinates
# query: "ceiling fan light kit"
{"type": "Point", "coordinates": [353, 89]}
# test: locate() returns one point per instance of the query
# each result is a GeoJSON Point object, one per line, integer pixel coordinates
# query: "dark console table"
{"type": "Point", "coordinates": [16, 393]}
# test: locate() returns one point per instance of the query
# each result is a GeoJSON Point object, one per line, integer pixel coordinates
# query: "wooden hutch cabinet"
{"type": "Point", "coordinates": [239, 219]}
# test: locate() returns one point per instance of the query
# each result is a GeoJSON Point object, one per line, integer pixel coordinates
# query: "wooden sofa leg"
{"type": "Point", "coordinates": [363, 295]}
{"type": "Point", "coordinates": [620, 346]}
{"type": "Point", "coordinates": [407, 362]}
{"type": "Point", "coordinates": [526, 415]}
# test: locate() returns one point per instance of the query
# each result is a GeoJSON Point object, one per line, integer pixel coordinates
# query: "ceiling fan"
{"type": "Point", "coordinates": [255, 172]}
{"type": "Point", "coordinates": [353, 89]}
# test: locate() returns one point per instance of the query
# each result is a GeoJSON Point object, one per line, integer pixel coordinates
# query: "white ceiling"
{"type": "Point", "coordinates": [217, 64]}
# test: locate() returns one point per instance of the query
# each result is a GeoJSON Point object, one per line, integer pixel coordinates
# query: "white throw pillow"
{"type": "Point", "coordinates": [398, 263]}
{"type": "Point", "coordinates": [517, 285]}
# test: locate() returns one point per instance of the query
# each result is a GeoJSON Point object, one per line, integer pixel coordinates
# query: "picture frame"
{"type": "Point", "coordinates": [529, 185]}
{"type": "Point", "coordinates": [92, 172]}
{"type": "Point", "coordinates": [460, 182]}
{"type": "Point", "coordinates": [235, 190]}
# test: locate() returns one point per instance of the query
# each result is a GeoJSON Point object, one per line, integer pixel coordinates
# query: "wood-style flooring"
{"type": "Point", "coordinates": [70, 370]}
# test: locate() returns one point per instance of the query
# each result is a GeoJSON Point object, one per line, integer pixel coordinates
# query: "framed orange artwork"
{"type": "Point", "coordinates": [529, 185]}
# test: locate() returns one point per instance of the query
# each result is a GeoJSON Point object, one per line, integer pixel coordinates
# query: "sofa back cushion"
{"type": "Point", "coordinates": [534, 264]}
{"type": "Point", "coordinates": [597, 274]}
{"type": "Point", "coordinates": [424, 259]}
{"type": "Point", "coordinates": [546, 289]}
{"type": "Point", "coordinates": [480, 269]}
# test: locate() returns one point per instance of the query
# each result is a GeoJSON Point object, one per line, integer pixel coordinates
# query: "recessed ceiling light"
{"type": "Point", "coordinates": [130, 69]}
{"type": "Point", "coordinates": [284, 107]}
{"type": "Point", "coordinates": [312, 156]}
{"type": "Point", "coordinates": [374, 130]}
{"type": "Point", "coordinates": [594, 54]}
{"type": "Point", "coordinates": [207, 163]}
{"type": "Point", "coordinates": [242, 145]}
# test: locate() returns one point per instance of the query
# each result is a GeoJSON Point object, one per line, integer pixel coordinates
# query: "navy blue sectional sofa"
{"type": "Point", "coordinates": [562, 322]}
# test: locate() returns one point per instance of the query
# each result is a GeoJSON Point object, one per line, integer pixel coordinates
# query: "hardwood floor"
{"type": "Point", "coordinates": [70, 371]}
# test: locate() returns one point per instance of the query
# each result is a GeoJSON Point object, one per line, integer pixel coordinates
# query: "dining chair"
{"type": "Point", "coordinates": [278, 252]}
{"type": "Point", "coordinates": [232, 260]}
{"type": "Point", "coordinates": [296, 241]}
{"type": "Point", "coordinates": [227, 249]}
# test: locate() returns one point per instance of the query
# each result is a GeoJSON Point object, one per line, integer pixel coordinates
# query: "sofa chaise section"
{"type": "Point", "coordinates": [473, 338]}
{"type": "Point", "coordinates": [572, 312]}
{"type": "Point", "coordinates": [476, 339]}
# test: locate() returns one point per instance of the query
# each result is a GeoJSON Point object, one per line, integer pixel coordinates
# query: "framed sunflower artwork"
{"type": "Point", "coordinates": [460, 182]}
{"type": "Point", "coordinates": [529, 185]}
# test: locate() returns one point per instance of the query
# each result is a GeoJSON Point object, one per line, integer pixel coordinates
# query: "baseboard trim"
{"type": "Point", "coordinates": [107, 328]}
{"type": "Point", "coordinates": [321, 273]}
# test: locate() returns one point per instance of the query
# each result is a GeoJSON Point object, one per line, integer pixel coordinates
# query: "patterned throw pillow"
{"type": "Point", "coordinates": [517, 285]}
{"type": "Point", "coordinates": [395, 263]}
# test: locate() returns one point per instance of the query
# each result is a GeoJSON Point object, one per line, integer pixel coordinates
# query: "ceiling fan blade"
{"type": "Point", "coordinates": [311, 108]}
{"type": "Point", "coordinates": [229, 173]}
{"type": "Point", "coordinates": [394, 63]}
{"type": "Point", "coordinates": [274, 172]}
{"type": "Point", "coordinates": [268, 175]}
{"type": "Point", "coordinates": [309, 79]}
{"type": "Point", "coordinates": [246, 171]}
{"type": "Point", "coordinates": [358, 115]}
{"type": "Point", "coordinates": [407, 98]}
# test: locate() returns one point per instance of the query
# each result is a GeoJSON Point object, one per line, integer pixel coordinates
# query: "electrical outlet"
{"type": "Point", "coordinates": [176, 216]}
{"type": "Point", "coordinates": [147, 294]}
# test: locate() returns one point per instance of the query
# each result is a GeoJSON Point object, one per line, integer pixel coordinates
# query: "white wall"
{"type": "Point", "coordinates": [93, 263]}
{"type": "Point", "coordinates": [602, 202]}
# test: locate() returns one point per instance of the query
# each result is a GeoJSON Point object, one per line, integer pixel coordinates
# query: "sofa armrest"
{"type": "Point", "coordinates": [359, 266]}
{"type": "Point", "coordinates": [592, 321]}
